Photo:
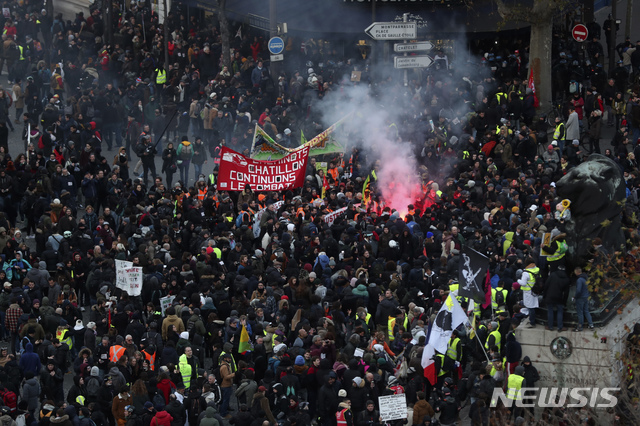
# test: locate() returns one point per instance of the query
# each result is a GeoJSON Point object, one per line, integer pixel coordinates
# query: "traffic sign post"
{"type": "Point", "coordinates": [403, 62]}
{"type": "Point", "coordinates": [392, 30]}
{"type": "Point", "coordinates": [275, 45]}
{"type": "Point", "coordinates": [580, 33]}
{"type": "Point", "coordinates": [412, 47]}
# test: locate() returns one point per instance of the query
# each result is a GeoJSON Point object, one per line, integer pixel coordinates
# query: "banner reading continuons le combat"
{"type": "Point", "coordinates": [265, 148]}
{"type": "Point", "coordinates": [236, 171]}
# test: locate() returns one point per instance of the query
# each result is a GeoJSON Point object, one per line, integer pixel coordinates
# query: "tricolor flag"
{"type": "Point", "coordinates": [244, 345]}
{"type": "Point", "coordinates": [449, 317]}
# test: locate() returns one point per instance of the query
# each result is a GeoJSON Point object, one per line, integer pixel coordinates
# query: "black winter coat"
{"type": "Point", "coordinates": [556, 289]}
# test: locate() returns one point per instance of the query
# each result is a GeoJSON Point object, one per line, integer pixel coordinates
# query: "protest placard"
{"type": "Point", "coordinates": [129, 277]}
{"type": "Point", "coordinates": [393, 407]}
{"type": "Point", "coordinates": [165, 302]}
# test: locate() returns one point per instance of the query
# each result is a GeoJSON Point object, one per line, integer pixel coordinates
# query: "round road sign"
{"type": "Point", "coordinates": [276, 45]}
{"type": "Point", "coordinates": [580, 33]}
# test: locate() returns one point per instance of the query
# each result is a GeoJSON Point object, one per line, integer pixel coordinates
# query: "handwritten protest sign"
{"type": "Point", "coordinates": [166, 302]}
{"type": "Point", "coordinates": [129, 277]}
{"type": "Point", "coordinates": [393, 407]}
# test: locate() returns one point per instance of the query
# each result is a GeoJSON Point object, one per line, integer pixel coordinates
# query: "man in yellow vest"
{"type": "Point", "coordinates": [515, 383]}
{"type": "Point", "coordinates": [527, 281]}
{"type": "Point", "coordinates": [555, 251]}
{"type": "Point", "coordinates": [454, 347]}
{"type": "Point", "coordinates": [188, 366]}
{"type": "Point", "coordinates": [494, 338]}
{"type": "Point", "coordinates": [161, 78]}
{"type": "Point", "coordinates": [499, 297]}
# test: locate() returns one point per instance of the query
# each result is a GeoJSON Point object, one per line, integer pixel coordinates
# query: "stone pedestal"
{"type": "Point", "coordinates": [579, 359]}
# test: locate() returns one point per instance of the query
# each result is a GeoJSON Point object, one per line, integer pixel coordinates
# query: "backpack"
{"type": "Point", "coordinates": [57, 27]}
{"type": "Point", "coordinates": [499, 298]}
{"type": "Point", "coordinates": [191, 328]}
{"type": "Point", "coordinates": [198, 110]}
{"type": "Point", "coordinates": [290, 391]}
{"type": "Point", "coordinates": [158, 400]}
{"type": "Point", "coordinates": [203, 113]}
{"type": "Point", "coordinates": [20, 420]}
{"type": "Point", "coordinates": [573, 86]}
{"type": "Point", "coordinates": [9, 399]}
{"type": "Point", "coordinates": [186, 151]}
{"type": "Point", "coordinates": [217, 375]}
{"type": "Point", "coordinates": [538, 286]}
{"type": "Point", "coordinates": [92, 386]}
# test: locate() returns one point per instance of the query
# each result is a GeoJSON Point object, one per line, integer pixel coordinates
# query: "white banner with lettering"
{"type": "Point", "coordinates": [129, 277]}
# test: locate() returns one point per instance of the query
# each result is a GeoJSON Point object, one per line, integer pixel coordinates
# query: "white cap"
{"type": "Point", "coordinates": [342, 393]}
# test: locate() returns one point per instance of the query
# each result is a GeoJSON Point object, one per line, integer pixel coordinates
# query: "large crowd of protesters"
{"type": "Point", "coordinates": [299, 322]}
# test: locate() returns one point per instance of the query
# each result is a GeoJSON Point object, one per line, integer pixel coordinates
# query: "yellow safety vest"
{"type": "Point", "coordinates": [392, 323]}
{"type": "Point", "coordinates": [559, 132]}
{"type": "Point", "coordinates": [497, 336]}
{"type": "Point", "coordinates": [80, 399]}
{"type": "Point", "coordinates": [532, 279]}
{"type": "Point", "coordinates": [233, 361]}
{"type": "Point", "coordinates": [452, 352]}
{"type": "Point", "coordinates": [494, 295]}
{"type": "Point", "coordinates": [514, 385]}
{"type": "Point", "coordinates": [442, 371]}
{"type": "Point", "coordinates": [185, 370]}
{"type": "Point", "coordinates": [559, 254]}
{"type": "Point", "coordinates": [63, 337]}
{"type": "Point", "coordinates": [22, 58]}
{"type": "Point", "coordinates": [161, 77]}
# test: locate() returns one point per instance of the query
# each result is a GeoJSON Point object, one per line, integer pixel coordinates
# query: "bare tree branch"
{"type": "Point", "coordinates": [514, 13]}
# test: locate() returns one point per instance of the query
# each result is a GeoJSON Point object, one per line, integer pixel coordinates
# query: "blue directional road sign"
{"type": "Point", "coordinates": [276, 45]}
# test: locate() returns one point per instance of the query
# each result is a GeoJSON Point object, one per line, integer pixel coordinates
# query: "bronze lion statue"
{"type": "Point", "coordinates": [596, 189]}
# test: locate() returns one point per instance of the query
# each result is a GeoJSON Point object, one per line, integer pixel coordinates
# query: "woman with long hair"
{"type": "Point", "coordinates": [140, 395]}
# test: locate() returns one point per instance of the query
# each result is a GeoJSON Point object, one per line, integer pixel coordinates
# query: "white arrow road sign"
{"type": "Point", "coordinates": [412, 47]}
{"type": "Point", "coordinates": [392, 30]}
{"type": "Point", "coordinates": [412, 61]}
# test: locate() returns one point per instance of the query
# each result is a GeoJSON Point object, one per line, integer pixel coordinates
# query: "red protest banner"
{"type": "Point", "coordinates": [236, 171]}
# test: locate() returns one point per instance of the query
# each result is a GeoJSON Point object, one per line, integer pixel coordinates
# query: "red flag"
{"type": "Point", "coordinates": [531, 85]}
{"type": "Point", "coordinates": [487, 286]}
{"type": "Point", "coordinates": [430, 372]}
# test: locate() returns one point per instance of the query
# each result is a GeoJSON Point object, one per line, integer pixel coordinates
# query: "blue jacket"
{"type": "Point", "coordinates": [582, 291]}
{"type": "Point", "coordinates": [30, 361]}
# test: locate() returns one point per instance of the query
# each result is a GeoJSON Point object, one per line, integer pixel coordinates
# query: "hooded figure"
{"type": "Point", "coordinates": [30, 361]}
{"type": "Point", "coordinates": [39, 275]}
{"type": "Point", "coordinates": [31, 391]}
{"type": "Point", "coordinates": [209, 419]}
